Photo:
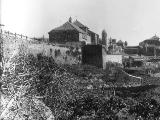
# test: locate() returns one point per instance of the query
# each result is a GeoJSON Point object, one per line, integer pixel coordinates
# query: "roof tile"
{"type": "Point", "coordinates": [68, 26]}
{"type": "Point", "coordinates": [79, 24]}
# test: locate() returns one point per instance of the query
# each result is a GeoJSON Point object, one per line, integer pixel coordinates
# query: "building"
{"type": "Point", "coordinates": [151, 46]}
{"type": "Point", "coordinates": [115, 47]}
{"type": "Point", "coordinates": [133, 56]}
{"type": "Point", "coordinates": [120, 43]}
{"type": "Point", "coordinates": [74, 32]}
{"type": "Point", "coordinates": [96, 55]}
{"type": "Point", "coordinates": [132, 50]}
{"type": "Point", "coordinates": [94, 36]}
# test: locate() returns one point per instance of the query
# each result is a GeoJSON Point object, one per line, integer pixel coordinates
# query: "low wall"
{"type": "Point", "coordinates": [13, 44]}
{"type": "Point", "coordinates": [61, 55]}
{"type": "Point", "coordinates": [111, 58]}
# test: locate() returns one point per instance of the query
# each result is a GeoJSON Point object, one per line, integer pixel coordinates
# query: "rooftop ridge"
{"type": "Point", "coordinates": [68, 25]}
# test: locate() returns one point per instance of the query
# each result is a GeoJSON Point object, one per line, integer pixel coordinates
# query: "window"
{"type": "Point", "coordinates": [84, 36]}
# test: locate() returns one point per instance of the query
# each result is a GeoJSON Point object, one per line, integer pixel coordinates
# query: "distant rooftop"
{"type": "Point", "coordinates": [151, 41]}
{"type": "Point", "coordinates": [120, 41]}
{"type": "Point", "coordinates": [155, 37]}
{"type": "Point", "coordinates": [131, 47]}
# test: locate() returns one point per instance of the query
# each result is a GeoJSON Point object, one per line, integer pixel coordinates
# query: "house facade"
{"type": "Point", "coordinates": [94, 37]}
{"type": "Point", "coordinates": [74, 32]}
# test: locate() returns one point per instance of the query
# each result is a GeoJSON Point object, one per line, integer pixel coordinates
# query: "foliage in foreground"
{"type": "Point", "coordinates": [69, 96]}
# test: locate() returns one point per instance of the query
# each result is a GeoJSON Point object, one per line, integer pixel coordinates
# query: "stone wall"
{"type": "Point", "coordinates": [63, 36]}
{"type": "Point", "coordinates": [12, 45]}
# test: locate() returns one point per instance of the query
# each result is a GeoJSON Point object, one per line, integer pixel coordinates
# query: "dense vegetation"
{"type": "Point", "coordinates": [77, 94]}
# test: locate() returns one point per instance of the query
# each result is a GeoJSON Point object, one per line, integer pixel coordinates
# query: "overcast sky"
{"type": "Point", "coordinates": [128, 20]}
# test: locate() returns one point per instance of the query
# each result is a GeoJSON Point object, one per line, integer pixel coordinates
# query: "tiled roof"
{"type": "Point", "coordinates": [68, 26]}
{"type": "Point", "coordinates": [79, 24]}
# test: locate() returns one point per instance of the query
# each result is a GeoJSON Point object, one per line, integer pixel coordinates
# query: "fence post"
{"type": "Point", "coordinates": [15, 35]}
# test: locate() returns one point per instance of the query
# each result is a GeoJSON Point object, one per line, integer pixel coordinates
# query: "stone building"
{"type": "Point", "coordinates": [74, 32]}
{"type": "Point", "coordinates": [151, 46]}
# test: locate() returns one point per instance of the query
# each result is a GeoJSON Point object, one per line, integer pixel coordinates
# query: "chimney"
{"type": "Point", "coordinates": [70, 20]}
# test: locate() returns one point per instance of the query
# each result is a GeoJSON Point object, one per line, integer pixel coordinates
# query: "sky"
{"type": "Point", "coordinates": [129, 20]}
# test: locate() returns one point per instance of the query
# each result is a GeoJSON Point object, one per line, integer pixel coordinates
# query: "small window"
{"type": "Point", "coordinates": [84, 36]}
